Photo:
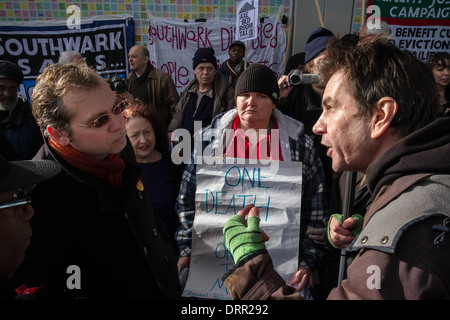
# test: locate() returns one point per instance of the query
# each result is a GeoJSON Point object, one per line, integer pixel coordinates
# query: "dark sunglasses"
{"type": "Point", "coordinates": [21, 197]}
{"type": "Point", "coordinates": [103, 119]}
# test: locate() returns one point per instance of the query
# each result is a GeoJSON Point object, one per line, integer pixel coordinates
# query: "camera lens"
{"type": "Point", "coordinates": [119, 86]}
{"type": "Point", "coordinates": [295, 80]}
{"type": "Point", "coordinates": [295, 77]}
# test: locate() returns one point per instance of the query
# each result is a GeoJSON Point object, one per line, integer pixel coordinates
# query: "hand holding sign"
{"type": "Point", "coordinates": [243, 239]}
{"type": "Point", "coordinates": [230, 189]}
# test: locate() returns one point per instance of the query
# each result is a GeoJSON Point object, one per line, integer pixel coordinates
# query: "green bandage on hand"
{"type": "Point", "coordinates": [242, 240]}
{"type": "Point", "coordinates": [359, 219]}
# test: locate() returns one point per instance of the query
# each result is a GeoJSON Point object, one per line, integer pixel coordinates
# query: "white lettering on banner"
{"type": "Point", "coordinates": [422, 27]}
{"type": "Point", "coordinates": [33, 46]}
{"type": "Point", "coordinates": [420, 13]}
{"type": "Point", "coordinates": [167, 37]}
{"type": "Point", "coordinates": [222, 191]}
{"type": "Point", "coordinates": [54, 47]}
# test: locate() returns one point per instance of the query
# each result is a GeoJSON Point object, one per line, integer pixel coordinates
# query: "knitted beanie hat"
{"type": "Point", "coordinates": [10, 70]}
{"type": "Point", "coordinates": [204, 55]}
{"type": "Point", "coordinates": [258, 78]}
{"type": "Point", "coordinates": [316, 43]}
{"type": "Point", "coordinates": [237, 43]}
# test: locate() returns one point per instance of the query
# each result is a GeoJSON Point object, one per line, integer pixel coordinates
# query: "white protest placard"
{"type": "Point", "coordinates": [246, 20]}
{"type": "Point", "coordinates": [222, 191]}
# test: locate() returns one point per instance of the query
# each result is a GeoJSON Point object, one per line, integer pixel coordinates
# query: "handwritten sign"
{"type": "Point", "coordinates": [172, 44]}
{"type": "Point", "coordinates": [222, 191]}
{"type": "Point", "coordinates": [246, 20]}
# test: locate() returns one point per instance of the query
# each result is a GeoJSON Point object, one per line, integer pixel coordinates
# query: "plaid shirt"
{"type": "Point", "coordinates": [294, 145]}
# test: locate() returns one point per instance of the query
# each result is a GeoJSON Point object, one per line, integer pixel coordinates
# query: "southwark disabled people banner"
{"type": "Point", "coordinates": [222, 191]}
{"type": "Point", "coordinates": [173, 43]}
{"type": "Point", "coordinates": [420, 26]}
{"type": "Point", "coordinates": [103, 42]}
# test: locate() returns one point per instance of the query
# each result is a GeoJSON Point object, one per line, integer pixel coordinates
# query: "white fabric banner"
{"type": "Point", "coordinates": [222, 191]}
{"type": "Point", "coordinates": [173, 43]}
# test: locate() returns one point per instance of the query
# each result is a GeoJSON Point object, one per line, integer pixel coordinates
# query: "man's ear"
{"type": "Point", "coordinates": [59, 136]}
{"type": "Point", "coordinates": [384, 114]}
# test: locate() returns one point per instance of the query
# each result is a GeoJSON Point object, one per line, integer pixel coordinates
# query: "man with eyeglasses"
{"type": "Point", "coordinates": [94, 217]}
{"type": "Point", "coordinates": [16, 180]}
{"type": "Point", "coordinates": [16, 120]}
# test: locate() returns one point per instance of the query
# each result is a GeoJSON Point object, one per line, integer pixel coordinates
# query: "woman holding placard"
{"type": "Point", "coordinates": [251, 131]}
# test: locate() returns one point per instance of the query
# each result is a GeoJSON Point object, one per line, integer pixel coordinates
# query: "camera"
{"type": "Point", "coordinates": [117, 84]}
{"type": "Point", "coordinates": [296, 77]}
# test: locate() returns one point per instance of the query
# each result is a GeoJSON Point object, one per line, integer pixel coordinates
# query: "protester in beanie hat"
{"type": "Point", "coordinates": [316, 43]}
{"type": "Point", "coordinates": [237, 43]}
{"type": "Point", "coordinates": [204, 55]}
{"type": "Point", "coordinates": [258, 78]}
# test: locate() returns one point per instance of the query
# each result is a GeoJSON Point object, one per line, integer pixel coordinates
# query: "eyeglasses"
{"type": "Point", "coordinates": [22, 197]}
{"type": "Point", "coordinates": [103, 119]}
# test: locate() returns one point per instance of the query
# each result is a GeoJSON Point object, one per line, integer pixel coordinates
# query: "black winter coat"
{"type": "Point", "coordinates": [96, 242]}
{"type": "Point", "coordinates": [20, 127]}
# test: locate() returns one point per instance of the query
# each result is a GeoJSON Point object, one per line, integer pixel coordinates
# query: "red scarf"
{"type": "Point", "coordinates": [236, 126]}
{"type": "Point", "coordinates": [109, 169]}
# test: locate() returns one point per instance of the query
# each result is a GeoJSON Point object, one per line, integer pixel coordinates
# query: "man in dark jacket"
{"type": "Point", "coordinates": [95, 235]}
{"type": "Point", "coordinates": [303, 101]}
{"type": "Point", "coordinates": [16, 120]}
{"type": "Point", "coordinates": [380, 116]}
{"type": "Point", "coordinates": [16, 180]}
{"type": "Point", "coordinates": [233, 67]}
{"type": "Point", "coordinates": [152, 86]}
{"type": "Point", "coordinates": [206, 96]}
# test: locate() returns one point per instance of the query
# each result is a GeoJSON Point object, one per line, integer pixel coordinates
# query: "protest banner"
{"type": "Point", "coordinates": [223, 190]}
{"type": "Point", "coordinates": [422, 27]}
{"type": "Point", "coordinates": [103, 42]}
{"type": "Point", "coordinates": [173, 43]}
{"type": "Point", "coordinates": [246, 20]}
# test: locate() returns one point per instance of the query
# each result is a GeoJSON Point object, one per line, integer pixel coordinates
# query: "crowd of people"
{"type": "Point", "coordinates": [87, 177]}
